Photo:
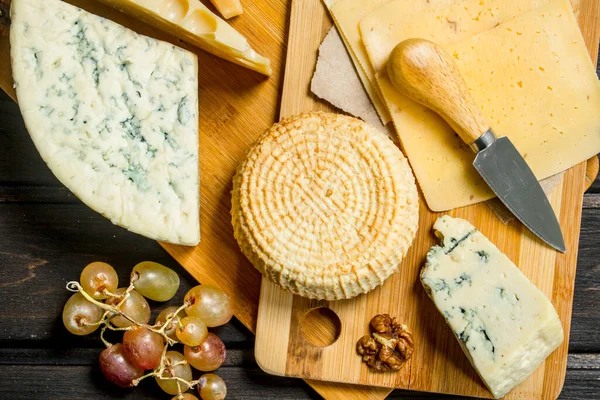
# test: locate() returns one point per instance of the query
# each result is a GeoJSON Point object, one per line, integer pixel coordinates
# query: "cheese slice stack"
{"type": "Point", "coordinates": [532, 78]}
{"type": "Point", "coordinates": [113, 114]}
{"type": "Point", "coordinates": [346, 14]}
{"type": "Point", "coordinates": [504, 324]}
{"type": "Point", "coordinates": [193, 22]}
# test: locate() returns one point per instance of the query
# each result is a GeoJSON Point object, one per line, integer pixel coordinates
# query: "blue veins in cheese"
{"type": "Point", "coordinates": [504, 324]}
{"type": "Point", "coordinates": [114, 115]}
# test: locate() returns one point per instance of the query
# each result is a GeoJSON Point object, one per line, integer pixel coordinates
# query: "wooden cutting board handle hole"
{"type": "Point", "coordinates": [321, 327]}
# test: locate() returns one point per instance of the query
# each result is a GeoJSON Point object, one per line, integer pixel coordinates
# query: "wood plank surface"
{"type": "Point", "coordinates": [47, 235]}
{"type": "Point", "coordinates": [281, 348]}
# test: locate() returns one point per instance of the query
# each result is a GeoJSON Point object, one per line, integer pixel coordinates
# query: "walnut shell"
{"type": "Point", "coordinates": [388, 347]}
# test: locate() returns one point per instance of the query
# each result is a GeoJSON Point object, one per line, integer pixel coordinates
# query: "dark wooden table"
{"type": "Point", "coordinates": [47, 236]}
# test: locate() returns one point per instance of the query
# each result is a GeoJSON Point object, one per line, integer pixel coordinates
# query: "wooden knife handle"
{"type": "Point", "coordinates": [423, 71]}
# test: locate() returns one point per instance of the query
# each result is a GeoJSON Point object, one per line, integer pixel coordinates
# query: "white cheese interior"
{"type": "Point", "coordinates": [504, 324]}
{"type": "Point", "coordinates": [114, 115]}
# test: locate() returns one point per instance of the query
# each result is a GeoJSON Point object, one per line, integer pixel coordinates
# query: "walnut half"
{"type": "Point", "coordinates": [388, 347]}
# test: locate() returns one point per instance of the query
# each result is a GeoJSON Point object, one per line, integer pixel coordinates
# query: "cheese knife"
{"type": "Point", "coordinates": [424, 72]}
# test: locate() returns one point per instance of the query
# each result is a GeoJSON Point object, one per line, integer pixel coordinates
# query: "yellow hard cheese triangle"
{"type": "Point", "coordinates": [228, 8]}
{"type": "Point", "coordinates": [193, 22]}
{"type": "Point", "coordinates": [535, 83]}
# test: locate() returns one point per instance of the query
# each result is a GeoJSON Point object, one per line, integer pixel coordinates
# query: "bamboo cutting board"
{"type": "Point", "coordinates": [286, 337]}
{"type": "Point", "coordinates": [236, 106]}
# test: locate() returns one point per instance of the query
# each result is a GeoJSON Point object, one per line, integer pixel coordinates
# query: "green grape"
{"type": "Point", "coordinates": [191, 331]}
{"type": "Point", "coordinates": [162, 318]}
{"type": "Point", "coordinates": [185, 396]}
{"type": "Point", "coordinates": [98, 277]}
{"type": "Point", "coordinates": [135, 307]}
{"type": "Point", "coordinates": [176, 366]}
{"type": "Point", "coordinates": [117, 368]}
{"type": "Point", "coordinates": [209, 303]}
{"type": "Point", "coordinates": [78, 313]}
{"type": "Point", "coordinates": [212, 387]}
{"type": "Point", "coordinates": [208, 356]}
{"type": "Point", "coordinates": [143, 347]}
{"type": "Point", "coordinates": [155, 281]}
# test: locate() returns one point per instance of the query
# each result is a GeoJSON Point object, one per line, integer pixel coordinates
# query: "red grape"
{"type": "Point", "coordinates": [208, 356]}
{"type": "Point", "coordinates": [143, 347]}
{"type": "Point", "coordinates": [117, 368]}
{"type": "Point", "coordinates": [209, 303]}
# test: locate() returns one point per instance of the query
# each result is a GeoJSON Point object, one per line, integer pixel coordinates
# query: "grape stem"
{"type": "Point", "coordinates": [108, 293]}
{"type": "Point", "coordinates": [111, 312]}
{"type": "Point", "coordinates": [114, 311]}
{"type": "Point", "coordinates": [106, 342]}
{"type": "Point", "coordinates": [165, 364]}
{"type": "Point", "coordinates": [160, 329]}
{"type": "Point", "coordinates": [110, 326]}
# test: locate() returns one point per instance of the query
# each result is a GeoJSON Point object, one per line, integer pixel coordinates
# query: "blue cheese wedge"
{"type": "Point", "coordinates": [114, 115]}
{"type": "Point", "coordinates": [504, 324]}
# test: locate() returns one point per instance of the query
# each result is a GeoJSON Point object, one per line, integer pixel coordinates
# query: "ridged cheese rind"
{"type": "Point", "coordinates": [325, 206]}
{"type": "Point", "coordinates": [504, 324]}
{"type": "Point", "coordinates": [114, 115]}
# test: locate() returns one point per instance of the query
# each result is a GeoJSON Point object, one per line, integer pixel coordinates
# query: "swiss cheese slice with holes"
{"type": "Point", "coordinates": [193, 22]}
{"type": "Point", "coordinates": [346, 14]}
{"type": "Point", "coordinates": [114, 115]}
{"type": "Point", "coordinates": [534, 81]}
{"type": "Point", "coordinates": [325, 206]}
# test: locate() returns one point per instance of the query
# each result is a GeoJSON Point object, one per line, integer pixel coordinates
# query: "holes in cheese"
{"type": "Point", "coordinates": [201, 22]}
{"type": "Point", "coordinates": [193, 22]}
{"type": "Point", "coordinates": [174, 10]}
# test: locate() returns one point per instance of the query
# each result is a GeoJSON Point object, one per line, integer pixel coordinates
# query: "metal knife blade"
{"type": "Point", "coordinates": [505, 171]}
{"type": "Point", "coordinates": [424, 72]}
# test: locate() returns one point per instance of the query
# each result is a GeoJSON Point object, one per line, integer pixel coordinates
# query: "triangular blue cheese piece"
{"type": "Point", "coordinates": [114, 115]}
{"type": "Point", "coordinates": [504, 324]}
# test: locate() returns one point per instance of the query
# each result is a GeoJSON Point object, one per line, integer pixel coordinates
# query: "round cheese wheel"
{"type": "Point", "coordinates": [325, 206]}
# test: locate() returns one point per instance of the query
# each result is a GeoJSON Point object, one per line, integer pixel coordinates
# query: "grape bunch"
{"type": "Point", "coordinates": [146, 350]}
